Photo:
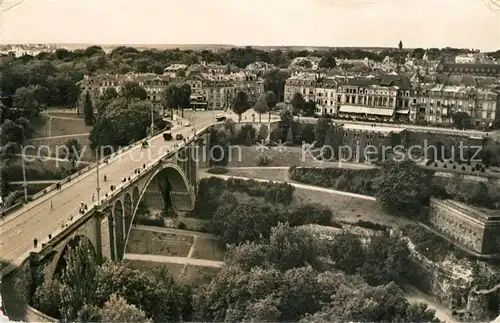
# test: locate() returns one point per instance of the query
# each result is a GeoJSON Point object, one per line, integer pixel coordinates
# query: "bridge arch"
{"type": "Point", "coordinates": [119, 229]}
{"type": "Point", "coordinates": [135, 197]}
{"type": "Point", "coordinates": [74, 242]}
{"type": "Point", "coordinates": [176, 181]}
{"type": "Point", "coordinates": [128, 206]}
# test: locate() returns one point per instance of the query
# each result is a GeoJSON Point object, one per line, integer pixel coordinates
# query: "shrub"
{"type": "Point", "coordinates": [143, 220]}
{"type": "Point", "coordinates": [263, 132]}
{"type": "Point", "coordinates": [263, 160]}
{"type": "Point", "coordinates": [276, 135]}
{"type": "Point", "coordinates": [218, 170]}
{"type": "Point", "coordinates": [371, 225]}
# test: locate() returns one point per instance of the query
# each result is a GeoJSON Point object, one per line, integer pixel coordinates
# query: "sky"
{"type": "Point", "coordinates": [365, 23]}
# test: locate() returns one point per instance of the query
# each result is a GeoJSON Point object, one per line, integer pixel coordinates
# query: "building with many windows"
{"type": "Point", "coordinates": [326, 96]}
{"type": "Point", "coordinates": [382, 98]}
{"type": "Point", "coordinates": [438, 103]}
{"type": "Point", "coordinates": [475, 69]}
{"type": "Point", "coordinates": [153, 84]}
{"type": "Point", "coordinates": [303, 83]}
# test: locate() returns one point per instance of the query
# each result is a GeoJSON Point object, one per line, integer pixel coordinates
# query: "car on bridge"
{"type": "Point", "coordinates": [179, 136]}
{"type": "Point", "coordinates": [167, 136]}
{"type": "Point", "coordinates": [220, 117]}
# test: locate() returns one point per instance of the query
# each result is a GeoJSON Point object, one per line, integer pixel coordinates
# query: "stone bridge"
{"type": "Point", "coordinates": [167, 183]}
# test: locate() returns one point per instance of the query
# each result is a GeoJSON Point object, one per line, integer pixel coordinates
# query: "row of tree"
{"type": "Point", "coordinates": [123, 59]}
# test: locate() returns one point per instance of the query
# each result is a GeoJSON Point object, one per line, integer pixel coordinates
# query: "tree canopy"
{"type": "Point", "coordinates": [240, 104]}
{"type": "Point", "coordinates": [121, 123]}
{"type": "Point", "coordinates": [403, 187]}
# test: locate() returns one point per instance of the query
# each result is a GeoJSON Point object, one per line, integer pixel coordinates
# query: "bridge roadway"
{"type": "Point", "coordinates": [37, 219]}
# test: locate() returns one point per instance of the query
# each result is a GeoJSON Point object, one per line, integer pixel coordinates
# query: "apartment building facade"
{"type": "Point", "coordinates": [438, 103]}
{"type": "Point", "coordinates": [326, 97]}
{"type": "Point", "coordinates": [303, 83]}
{"type": "Point", "coordinates": [153, 84]}
{"type": "Point", "coordinates": [218, 92]}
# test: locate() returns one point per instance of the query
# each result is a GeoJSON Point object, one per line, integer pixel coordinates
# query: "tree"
{"type": "Point", "coordinates": [263, 133]}
{"type": "Point", "coordinates": [403, 187]}
{"type": "Point", "coordinates": [305, 63]}
{"type": "Point", "coordinates": [78, 280]}
{"type": "Point", "coordinates": [175, 96]}
{"type": "Point", "coordinates": [15, 132]}
{"type": "Point", "coordinates": [74, 149]}
{"type": "Point", "coordinates": [185, 97]}
{"type": "Point", "coordinates": [297, 103]}
{"type": "Point", "coordinates": [171, 98]}
{"type": "Point", "coordinates": [118, 310]}
{"type": "Point", "coordinates": [328, 61]}
{"type": "Point", "coordinates": [321, 130]}
{"type": "Point", "coordinates": [261, 106]}
{"type": "Point", "coordinates": [109, 94]}
{"type": "Point", "coordinates": [290, 248]}
{"type": "Point", "coordinates": [462, 120]}
{"type": "Point", "coordinates": [132, 90]}
{"type": "Point", "coordinates": [240, 104]}
{"type": "Point", "coordinates": [271, 102]}
{"type": "Point", "coordinates": [307, 134]}
{"type": "Point", "coordinates": [289, 136]}
{"type": "Point", "coordinates": [386, 260]}
{"type": "Point", "coordinates": [274, 81]}
{"type": "Point", "coordinates": [309, 109]}
{"type": "Point", "coordinates": [25, 99]}
{"type": "Point", "coordinates": [122, 123]}
{"type": "Point", "coordinates": [42, 94]}
{"type": "Point", "coordinates": [246, 221]}
{"type": "Point", "coordinates": [48, 296]}
{"type": "Point", "coordinates": [348, 253]}
{"type": "Point", "coordinates": [88, 109]}
{"type": "Point", "coordinates": [155, 292]}
{"type": "Point", "coordinates": [363, 303]}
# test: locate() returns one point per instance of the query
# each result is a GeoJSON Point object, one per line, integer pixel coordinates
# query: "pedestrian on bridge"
{"type": "Point", "coordinates": [51, 205]}
{"type": "Point", "coordinates": [35, 243]}
{"type": "Point", "coordinates": [93, 197]}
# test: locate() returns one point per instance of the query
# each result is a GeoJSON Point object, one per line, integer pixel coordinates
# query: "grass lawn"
{"type": "Point", "coordinates": [43, 127]}
{"type": "Point", "coordinates": [156, 243]}
{"type": "Point", "coordinates": [291, 156]}
{"type": "Point", "coordinates": [191, 274]}
{"type": "Point", "coordinates": [208, 249]}
{"type": "Point", "coordinates": [174, 269]}
{"type": "Point", "coordinates": [350, 209]}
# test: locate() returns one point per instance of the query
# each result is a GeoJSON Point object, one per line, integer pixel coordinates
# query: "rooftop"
{"type": "Point", "coordinates": [479, 213]}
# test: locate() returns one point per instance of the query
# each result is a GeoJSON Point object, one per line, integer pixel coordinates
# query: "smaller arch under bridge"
{"type": "Point", "coordinates": [169, 183]}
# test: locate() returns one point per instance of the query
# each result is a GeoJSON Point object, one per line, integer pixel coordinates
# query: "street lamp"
{"type": "Point", "coordinates": [152, 121]}
{"type": "Point", "coordinates": [25, 184]}
{"type": "Point", "coordinates": [98, 189]}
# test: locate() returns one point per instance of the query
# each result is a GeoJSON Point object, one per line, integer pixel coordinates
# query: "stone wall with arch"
{"type": "Point", "coordinates": [88, 229]}
{"type": "Point", "coordinates": [118, 213]}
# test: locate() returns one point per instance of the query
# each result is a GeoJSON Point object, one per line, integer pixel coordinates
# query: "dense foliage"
{"type": "Point", "coordinates": [86, 291]}
{"type": "Point", "coordinates": [121, 123]}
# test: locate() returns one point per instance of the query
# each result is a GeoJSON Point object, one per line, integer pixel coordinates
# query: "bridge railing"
{"type": "Point", "coordinates": [75, 221]}
{"type": "Point", "coordinates": [20, 202]}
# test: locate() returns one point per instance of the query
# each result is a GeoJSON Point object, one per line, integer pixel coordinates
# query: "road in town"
{"type": "Point", "coordinates": [38, 220]}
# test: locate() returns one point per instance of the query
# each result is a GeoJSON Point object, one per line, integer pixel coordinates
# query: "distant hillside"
{"type": "Point", "coordinates": [109, 47]}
